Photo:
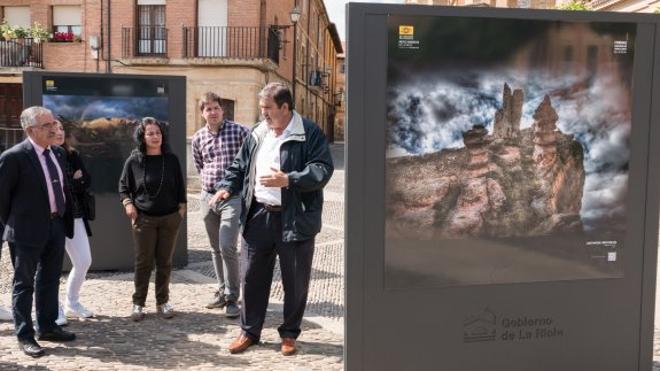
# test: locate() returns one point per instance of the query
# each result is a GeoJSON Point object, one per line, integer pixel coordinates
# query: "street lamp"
{"type": "Point", "coordinates": [294, 16]}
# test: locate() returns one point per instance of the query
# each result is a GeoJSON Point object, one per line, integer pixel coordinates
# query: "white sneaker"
{"type": "Point", "coordinates": [137, 314]}
{"type": "Point", "coordinates": [5, 315]}
{"type": "Point", "coordinates": [77, 310]}
{"type": "Point", "coordinates": [61, 318]}
{"type": "Point", "coordinates": [165, 310]}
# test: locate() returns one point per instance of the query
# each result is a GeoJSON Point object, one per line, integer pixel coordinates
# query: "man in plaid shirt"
{"type": "Point", "coordinates": [214, 147]}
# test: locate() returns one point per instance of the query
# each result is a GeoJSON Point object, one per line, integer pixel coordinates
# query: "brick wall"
{"type": "Point", "coordinates": [277, 12]}
{"type": "Point", "coordinates": [73, 56]}
{"type": "Point", "coordinates": [179, 13]}
{"type": "Point", "coordinates": [340, 86]}
{"type": "Point", "coordinates": [243, 13]}
{"type": "Point", "coordinates": [122, 14]}
{"type": "Point", "coordinates": [67, 57]}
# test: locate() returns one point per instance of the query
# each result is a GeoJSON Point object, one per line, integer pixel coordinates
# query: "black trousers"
{"type": "Point", "coordinates": [46, 262]}
{"type": "Point", "coordinates": [263, 237]}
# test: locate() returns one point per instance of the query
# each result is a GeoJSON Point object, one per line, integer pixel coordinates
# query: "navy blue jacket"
{"type": "Point", "coordinates": [305, 157]}
{"type": "Point", "coordinates": [24, 205]}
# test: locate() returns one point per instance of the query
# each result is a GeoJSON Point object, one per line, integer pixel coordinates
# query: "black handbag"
{"type": "Point", "coordinates": [89, 205]}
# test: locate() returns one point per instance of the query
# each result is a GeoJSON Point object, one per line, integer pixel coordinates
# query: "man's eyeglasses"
{"type": "Point", "coordinates": [47, 125]}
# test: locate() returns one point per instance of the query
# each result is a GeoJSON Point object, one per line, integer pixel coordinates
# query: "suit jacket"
{"type": "Point", "coordinates": [24, 205]}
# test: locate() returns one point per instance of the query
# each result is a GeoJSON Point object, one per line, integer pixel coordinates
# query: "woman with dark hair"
{"type": "Point", "coordinates": [77, 247]}
{"type": "Point", "coordinates": [153, 193]}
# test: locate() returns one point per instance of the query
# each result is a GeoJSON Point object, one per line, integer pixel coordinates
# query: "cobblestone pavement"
{"type": "Point", "coordinates": [197, 338]}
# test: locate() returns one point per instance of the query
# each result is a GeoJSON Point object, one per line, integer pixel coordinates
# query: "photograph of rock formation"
{"type": "Point", "coordinates": [102, 130]}
{"type": "Point", "coordinates": [508, 150]}
{"type": "Point", "coordinates": [512, 182]}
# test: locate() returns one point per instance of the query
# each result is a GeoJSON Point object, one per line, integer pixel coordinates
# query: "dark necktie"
{"type": "Point", "coordinates": [55, 181]}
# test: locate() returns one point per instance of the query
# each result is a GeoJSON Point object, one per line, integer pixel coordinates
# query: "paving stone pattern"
{"type": "Point", "coordinates": [196, 339]}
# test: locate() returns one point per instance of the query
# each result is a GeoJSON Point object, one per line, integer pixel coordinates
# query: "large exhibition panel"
{"type": "Point", "coordinates": [502, 208]}
{"type": "Point", "coordinates": [101, 112]}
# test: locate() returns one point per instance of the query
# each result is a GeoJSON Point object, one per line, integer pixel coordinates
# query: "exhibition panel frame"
{"type": "Point", "coordinates": [502, 205]}
{"type": "Point", "coordinates": [101, 112]}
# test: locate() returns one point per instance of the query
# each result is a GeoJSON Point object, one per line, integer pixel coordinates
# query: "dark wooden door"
{"type": "Point", "coordinates": [228, 109]}
{"type": "Point", "coordinates": [11, 105]}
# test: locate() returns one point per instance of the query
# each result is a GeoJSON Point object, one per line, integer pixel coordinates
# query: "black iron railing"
{"type": "Point", "coordinates": [597, 4]}
{"type": "Point", "coordinates": [231, 42]}
{"type": "Point", "coordinates": [144, 41]}
{"type": "Point", "coordinates": [9, 137]}
{"type": "Point", "coordinates": [21, 53]}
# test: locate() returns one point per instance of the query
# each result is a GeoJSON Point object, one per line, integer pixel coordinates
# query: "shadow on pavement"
{"type": "Point", "coordinates": [326, 309]}
{"type": "Point", "coordinates": [188, 340]}
{"type": "Point", "coordinates": [153, 342]}
{"type": "Point", "coordinates": [17, 367]}
{"type": "Point", "coordinates": [317, 274]}
{"type": "Point", "coordinates": [308, 347]}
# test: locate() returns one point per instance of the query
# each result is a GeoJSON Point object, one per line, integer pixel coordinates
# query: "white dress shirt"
{"type": "Point", "coordinates": [268, 156]}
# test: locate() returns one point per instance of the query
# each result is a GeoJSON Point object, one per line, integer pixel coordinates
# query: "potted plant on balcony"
{"type": "Point", "coordinates": [21, 32]}
{"type": "Point", "coordinates": [7, 31]}
{"type": "Point", "coordinates": [39, 33]}
{"type": "Point", "coordinates": [66, 37]}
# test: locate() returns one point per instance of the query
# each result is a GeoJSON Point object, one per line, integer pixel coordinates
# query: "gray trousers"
{"type": "Point", "coordinates": [222, 227]}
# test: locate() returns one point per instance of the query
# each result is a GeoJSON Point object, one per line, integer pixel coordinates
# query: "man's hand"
{"type": "Point", "coordinates": [218, 196]}
{"type": "Point", "coordinates": [78, 174]}
{"type": "Point", "coordinates": [277, 179]}
{"type": "Point", "coordinates": [131, 212]}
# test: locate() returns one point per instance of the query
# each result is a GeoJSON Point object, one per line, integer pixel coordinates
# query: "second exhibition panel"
{"type": "Point", "coordinates": [508, 210]}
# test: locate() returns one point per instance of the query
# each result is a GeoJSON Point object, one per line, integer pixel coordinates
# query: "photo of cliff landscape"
{"type": "Point", "coordinates": [508, 150]}
{"type": "Point", "coordinates": [102, 129]}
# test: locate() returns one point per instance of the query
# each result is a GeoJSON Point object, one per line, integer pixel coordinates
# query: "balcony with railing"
{"type": "Point", "coordinates": [144, 41]}
{"type": "Point", "coordinates": [231, 43]}
{"type": "Point", "coordinates": [597, 4]}
{"type": "Point", "coordinates": [216, 45]}
{"type": "Point", "coordinates": [21, 53]}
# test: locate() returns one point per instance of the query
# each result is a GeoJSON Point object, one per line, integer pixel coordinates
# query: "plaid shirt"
{"type": "Point", "coordinates": [213, 153]}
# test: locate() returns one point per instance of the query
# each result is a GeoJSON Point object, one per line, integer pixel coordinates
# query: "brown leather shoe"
{"type": "Point", "coordinates": [288, 346]}
{"type": "Point", "coordinates": [241, 343]}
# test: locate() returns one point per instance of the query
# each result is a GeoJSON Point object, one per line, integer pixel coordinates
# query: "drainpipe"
{"type": "Point", "coordinates": [109, 61]}
{"type": "Point", "coordinates": [101, 43]}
